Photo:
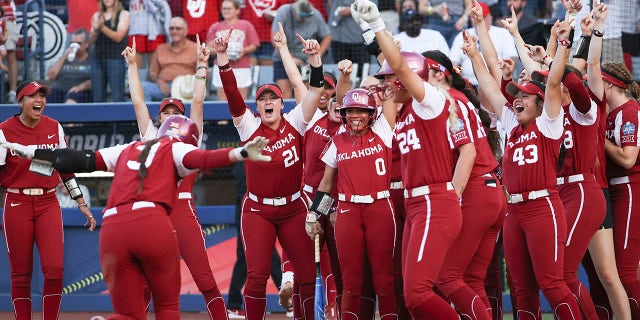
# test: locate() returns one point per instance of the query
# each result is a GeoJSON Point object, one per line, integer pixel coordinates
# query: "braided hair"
{"type": "Point", "coordinates": [142, 171]}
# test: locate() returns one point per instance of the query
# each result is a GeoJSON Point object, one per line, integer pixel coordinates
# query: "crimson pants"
{"type": "Point", "coordinates": [138, 245]}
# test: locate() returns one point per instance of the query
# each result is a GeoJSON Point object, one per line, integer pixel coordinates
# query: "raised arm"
{"type": "Point", "coordinates": [489, 53]}
{"type": "Point", "coordinates": [135, 88]}
{"type": "Point", "coordinates": [344, 80]}
{"type": "Point", "coordinates": [511, 24]}
{"type": "Point", "coordinates": [552, 98]}
{"type": "Point", "coordinates": [237, 106]}
{"type": "Point", "coordinates": [196, 112]}
{"type": "Point", "coordinates": [490, 89]}
{"type": "Point", "coordinates": [316, 78]}
{"type": "Point", "coordinates": [291, 68]}
{"type": "Point", "coordinates": [410, 80]}
{"type": "Point", "coordinates": [594, 74]}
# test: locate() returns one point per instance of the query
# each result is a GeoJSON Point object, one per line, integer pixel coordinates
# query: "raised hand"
{"type": "Point", "coordinates": [345, 66]}
{"type": "Point", "coordinates": [599, 11]}
{"type": "Point", "coordinates": [22, 150]}
{"type": "Point", "coordinates": [356, 16]}
{"type": "Point", "coordinates": [202, 51]}
{"type": "Point", "coordinates": [476, 13]}
{"type": "Point", "coordinates": [280, 38]}
{"type": "Point", "coordinates": [368, 11]}
{"type": "Point", "coordinates": [220, 44]}
{"type": "Point", "coordinates": [511, 24]}
{"type": "Point", "coordinates": [254, 149]}
{"type": "Point", "coordinates": [310, 47]}
{"type": "Point", "coordinates": [129, 54]}
{"type": "Point", "coordinates": [469, 45]}
{"type": "Point", "coordinates": [572, 7]}
{"type": "Point", "coordinates": [586, 24]}
{"type": "Point", "coordinates": [537, 53]}
{"type": "Point", "coordinates": [507, 66]}
{"type": "Point", "coordinates": [564, 29]}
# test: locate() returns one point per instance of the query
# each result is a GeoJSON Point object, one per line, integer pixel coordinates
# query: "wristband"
{"type": "Point", "coordinates": [565, 43]}
{"type": "Point", "coordinates": [83, 204]}
{"type": "Point", "coordinates": [225, 67]}
{"type": "Point", "coordinates": [202, 78]}
{"type": "Point", "coordinates": [316, 79]}
{"type": "Point", "coordinates": [583, 47]}
{"type": "Point", "coordinates": [597, 33]}
{"type": "Point", "coordinates": [322, 203]}
{"type": "Point", "coordinates": [240, 153]}
{"type": "Point", "coordinates": [201, 67]}
{"type": "Point", "coordinates": [371, 43]}
{"type": "Point", "coordinates": [429, 10]}
{"type": "Point", "coordinates": [72, 186]}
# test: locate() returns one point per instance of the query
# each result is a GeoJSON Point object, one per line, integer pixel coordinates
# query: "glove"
{"type": "Point", "coordinates": [368, 11]}
{"type": "Point", "coordinates": [312, 226]}
{"type": "Point", "coordinates": [253, 150]}
{"type": "Point", "coordinates": [21, 150]}
{"type": "Point", "coordinates": [356, 16]}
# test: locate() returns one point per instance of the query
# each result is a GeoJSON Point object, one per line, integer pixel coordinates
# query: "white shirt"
{"type": "Point", "coordinates": [427, 40]}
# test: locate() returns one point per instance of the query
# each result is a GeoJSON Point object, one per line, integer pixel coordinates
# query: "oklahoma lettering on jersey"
{"type": "Point", "coordinates": [580, 133]}
{"type": "Point", "coordinates": [422, 131]}
{"type": "Point", "coordinates": [531, 153]}
{"type": "Point", "coordinates": [164, 163]}
{"type": "Point", "coordinates": [315, 141]}
{"type": "Point", "coordinates": [14, 170]}
{"type": "Point", "coordinates": [282, 176]}
{"type": "Point", "coordinates": [485, 161]}
{"type": "Point", "coordinates": [622, 130]}
{"type": "Point", "coordinates": [363, 162]}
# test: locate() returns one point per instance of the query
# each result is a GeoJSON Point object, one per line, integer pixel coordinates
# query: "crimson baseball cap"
{"type": "Point", "coordinates": [29, 88]}
{"type": "Point", "coordinates": [269, 87]}
{"type": "Point", "coordinates": [539, 75]}
{"type": "Point", "coordinates": [485, 9]}
{"type": "Point", "coordinates": [530, 87]}
{"type": "Point", "coordinates": [172, 102]}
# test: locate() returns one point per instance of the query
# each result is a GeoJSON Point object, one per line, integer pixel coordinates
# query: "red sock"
{"type": "Point", "coordinates": [255, 307]}
{"type": "Point", "coordinates": [215, 304]}
{"type": "Point", "coordinates": [434, 308]}
{"type": "Point", "coordinates": [469, 304]}
{"type": "Point", "coordinates": [51, 298]}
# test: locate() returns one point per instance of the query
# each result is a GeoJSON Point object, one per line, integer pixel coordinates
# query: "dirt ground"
{"type": "Point", "coordinates": [103, 315]}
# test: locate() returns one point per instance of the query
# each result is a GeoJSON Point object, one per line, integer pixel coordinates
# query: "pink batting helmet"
{"type": "Point", "coordinates": [414, 60]}
{"type": "Point", "coordinates": [180, 128]}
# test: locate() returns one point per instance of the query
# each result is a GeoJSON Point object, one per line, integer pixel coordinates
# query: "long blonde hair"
{"type": "Point", "coordinates": [117, 8]}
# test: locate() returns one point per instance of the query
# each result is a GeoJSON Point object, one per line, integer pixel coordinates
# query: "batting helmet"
{"type": "Point", "coordinates": [414, 60]}
{"type": "Point", "coordinates": [180, 128]}
{"type": "Point", "coordinates": [357, 98]}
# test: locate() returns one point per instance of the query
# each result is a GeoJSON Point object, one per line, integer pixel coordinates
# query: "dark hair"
{"type": "Point", "coordinates": [83, 32]}
{"type": "Point", "coordinates": [142, 172]}
{"type": "Point", "coordinates": [620, 72]}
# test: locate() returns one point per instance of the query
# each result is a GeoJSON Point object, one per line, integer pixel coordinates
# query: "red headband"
{"type": "Point", "coordinates": [330, 81]}
{"type": "Point", "coordinates": [606, 76]}
{"type": "Point", "coordinates": [435, 65]}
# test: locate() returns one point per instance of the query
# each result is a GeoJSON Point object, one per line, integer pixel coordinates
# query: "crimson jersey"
{"type": "Point", "coordinates": [282, 176]}
{"type": "Point", "coordinates": [622, 130]}
{"type": "Point", "coordinates": [580, 132]}
{"type": "Point", "coordinates": [396, 161]}
{"type": "Point", "coordinates": [485, 161]}
{"type": "Point", "coordinates": [363, 162]}
{"type": "Point", "coordinates": [14, 173]}
{"type": "Point", "coordinates": [531, 153]}
{"type": "Point", "coordinates": [601, 167]}
{"type": "Point", "coordinates": [422, 130]}
{"type": "Point", "coordinates": [164, 165]}
{"type": "Point", "coordinates": [315, 141]}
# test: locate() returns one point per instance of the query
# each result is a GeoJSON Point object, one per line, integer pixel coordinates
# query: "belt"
{"type": "Point", "coordinates": [31, 191]}
{"type": "Point", "coordinates": [574, 178]}
{"type": "Point", "coordinates": [128, 207]}
{"type": "Point", "coordinates": [530, 195]}
{"type": "Point", "coordinates": [619, 180]}
{"type": "Point", "coordinates": [425, 190]}
{"type": "Point", "coordinates": [396, 185]}
{"type": "Point", "coordinates": [184, 195]}
{"type": "Point", "coordinates": [309, 189]}
{"type": "Point", "coordinates": [359, 198]}
{"type": "Point", "coordinates": [279, 201]}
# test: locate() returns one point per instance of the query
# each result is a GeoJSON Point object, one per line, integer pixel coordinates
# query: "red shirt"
{"type": "Point", "coordinates": [531, 154]}
{"type": "Point", "coordinates": [200, 15]}
{"type": "Point", "coordinates": [14, 170]}
{"type": "Point", "coordinates": [254, 13]}
{"type": "Point", "coordinates": [7, 9]}
{"type": "Point", "coordinates": [80, 13]}
{"type": "Point", "coordinates": [622, 130]}
{"type": "Point", "coordinates": [363, 162]}
{"type": "Point", "coordinates": [316, 139]}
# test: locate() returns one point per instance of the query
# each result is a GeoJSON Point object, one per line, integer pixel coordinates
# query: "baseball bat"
{"type": "Point", "coordinates": [318, 305]}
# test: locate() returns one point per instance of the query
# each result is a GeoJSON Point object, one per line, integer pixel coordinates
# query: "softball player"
{"type": "Point", "coordinates": [31, 210]}
{"type": "Point", "coordinates": [142, 195]}
{"type": "Point", "coordinates": [183, 216]}
{"type": "Point", "coordinates": [621, 146]}
{"type": "Point", "coordinates": [273, 206]}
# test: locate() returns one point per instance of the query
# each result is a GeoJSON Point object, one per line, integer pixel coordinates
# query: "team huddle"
{"type": "Point", "coordinates": [407, 180]}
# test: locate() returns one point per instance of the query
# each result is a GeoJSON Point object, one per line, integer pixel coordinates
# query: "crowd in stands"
{"type": "Point", "coordinates": [92, 70]}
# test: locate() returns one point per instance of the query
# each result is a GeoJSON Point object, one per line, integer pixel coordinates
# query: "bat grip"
{"type": "Point", "coordinates": [317, 250]}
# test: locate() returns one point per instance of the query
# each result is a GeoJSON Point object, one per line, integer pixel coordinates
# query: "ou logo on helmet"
{"type": "Point", "coordinates": [196, 8]}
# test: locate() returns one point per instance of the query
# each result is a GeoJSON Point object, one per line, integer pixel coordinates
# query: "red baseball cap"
{"type": "Point", "coordinates": [30, 88]}
{"type": "Point", "coordinates": [530, 87]}
{"type": "Point", "coordinates": [172, 102]}
{"type": "Point", "coordinates": [539, 75]}
{"type": "Point", "coordinates": [269, 87]}
{"type": "Point", "coordinates": [485, 9]}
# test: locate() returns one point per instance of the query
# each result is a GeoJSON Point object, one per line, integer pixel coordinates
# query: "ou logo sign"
{"type": "Point", "coordinates": [196, 8]}
{"type": "Point", "coordinates": [54, 35]}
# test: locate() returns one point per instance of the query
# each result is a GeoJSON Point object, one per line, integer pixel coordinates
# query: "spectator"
{"type": "Point", "coordinates": [244, 41]}
{"type": "Point", "coordinates": [389, 11]}
{"type": "Point", "coordinates": [502, 41]}
{"type": "Point", "coordinates": [79, 12]}
{"type": "Point", "coordinates": [199, 16]}
{"type": "Point", "coordinates": [531, 30]}
{"type": "Point", "coordinates": [414, 38]}
{"type": "Point", "coordinates": [10, 45]}
{"type": "Point", "coordinates": [72, 72]}
{"type": "Point", "coordinates": [109, 27]}
{"type": "Point", "coordinates": [346, 41]}
{"type": "Point", "coordinates": [298, 18]}
{"type": "Point", "coordinates": [260, 14]}
{"type": "Point", "coordinates": [4, 34]}
{"type": "Point", "coordinates": [65, 199]}
{"type": "Point", "coordinates": [446, 16]}
{"type": "Point", "coordinates": [171, 60]}
{"type": "Point", "coordinates": [612, 38]}
{"type": "Point", "coordinates": [148, 26]}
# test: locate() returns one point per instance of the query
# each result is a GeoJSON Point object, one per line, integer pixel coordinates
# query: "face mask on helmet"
{"type": "Point", "coordinates": [180, 128]}
{"type": "Point", "coordinates": [357, 99]}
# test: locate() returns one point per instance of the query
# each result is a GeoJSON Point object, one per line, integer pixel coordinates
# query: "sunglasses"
{"type": "Point", "coordinates": [174, 28]}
